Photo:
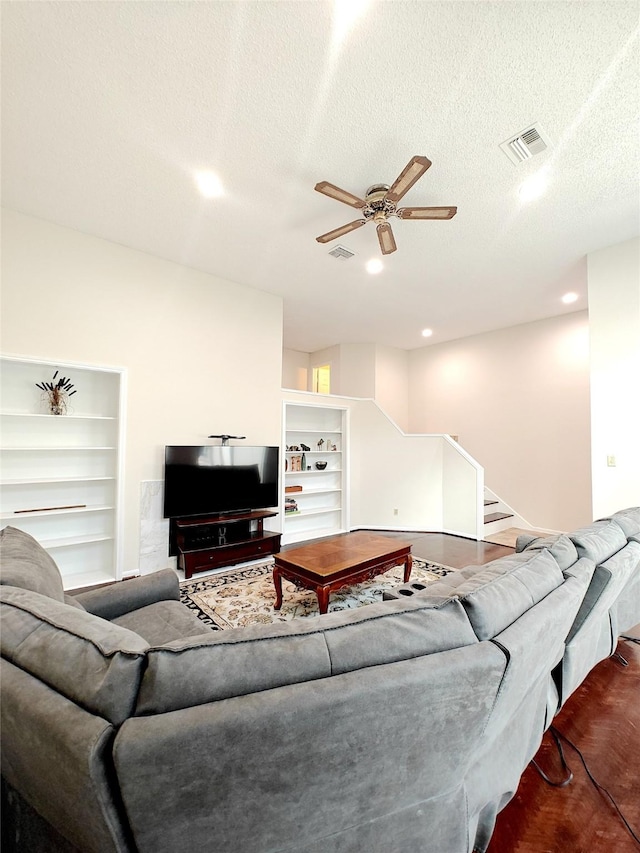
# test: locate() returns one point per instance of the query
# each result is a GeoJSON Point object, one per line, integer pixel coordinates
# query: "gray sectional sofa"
{"type": "Point", "coordinates": [403, 726]}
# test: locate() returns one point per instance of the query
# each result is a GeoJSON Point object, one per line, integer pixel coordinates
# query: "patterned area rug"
{"type": "Point", "coordinates": [242, 597]}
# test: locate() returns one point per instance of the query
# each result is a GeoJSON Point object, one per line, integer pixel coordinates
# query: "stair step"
{"type": "Point", "coordinates": [490, 503]}
{"type": "Point", "coordinates": [497, 516]}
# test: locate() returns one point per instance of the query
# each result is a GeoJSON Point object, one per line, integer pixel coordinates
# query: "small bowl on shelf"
{"type": "Point", "coordinates": [321, 465]}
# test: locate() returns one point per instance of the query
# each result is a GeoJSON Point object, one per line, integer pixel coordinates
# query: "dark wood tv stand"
{"type": "Point", "coordinates": [210, 542]}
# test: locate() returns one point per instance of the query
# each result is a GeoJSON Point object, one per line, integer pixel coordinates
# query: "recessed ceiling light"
{"type": "Point", "coordinates": [374, 266]}
{"type": "Point", "coordinates": [426, 333]}
{"type": "Point", "coordinates": [209, 184]}
{"type": "Point", "coordinates": [533, 187]}
{"type": "Point", "coordinates": [568, 298]}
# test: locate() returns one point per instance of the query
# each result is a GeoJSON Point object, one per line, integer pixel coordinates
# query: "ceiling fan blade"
{"type": "Point", "coordinates": [413, 171]}
{"type": "Point", "coordinates": [426, 212]}
{"type": "Point", "coordinates": [338, 232]}
{"type": "Point", "coordinates": [385, 238]}
{"type": "Point", "coordinates": [332, 191]}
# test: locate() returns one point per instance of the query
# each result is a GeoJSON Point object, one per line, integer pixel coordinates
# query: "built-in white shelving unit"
{"type": "Point", "coordinates": [60, 475]}
{"type": "Point", "coordinates": [323, 500]}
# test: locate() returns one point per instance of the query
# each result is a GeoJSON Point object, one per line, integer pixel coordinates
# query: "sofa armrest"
{"type": "Point", "coordinates": [113, 601]}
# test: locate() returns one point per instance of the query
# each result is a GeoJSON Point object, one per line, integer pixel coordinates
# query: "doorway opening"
{"type": "Point", "coordinates": [322, 379]}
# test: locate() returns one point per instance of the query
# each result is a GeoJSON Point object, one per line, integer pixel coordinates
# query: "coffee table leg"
{"type": "Point", "coordinates": [407, 568]}
{"type": "Point", "coordinates": [277, 582]}
{"type": "Point", "coordinates": [323, 599]}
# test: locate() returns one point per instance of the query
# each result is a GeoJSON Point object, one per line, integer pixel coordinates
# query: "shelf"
{"type": "Point", "coordinates": [33, 449]}
{"type": "Point", "coordinates": [58, 417]}
{"type": "Point", "coordinates": [70, 541]}
{"type": "Point", "coordinates": [38, 480]}
{"type": "Point", "coordinates": [16, 516]}
{"type": "Point", "coordinates": [312, 452]}
{"type": "Point", "coordinates": [317, 511]}
{"type": "Point", "coordinates": [316, 431]}
{"type": "Point", "coordinates": [309, 473]}
{"type": "Point", "coordinates": [311, 492]}
{"type": "Point", "coordinates": [317, 533]}
{"type": "Point", "coordinates": [91, 578]}
{"type": "Point", "coordinates": [306, 424]}
{"type": "Point", "coordinates": [70, 461]}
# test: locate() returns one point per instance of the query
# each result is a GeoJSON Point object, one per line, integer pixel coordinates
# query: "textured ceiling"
{"type": "Point", "coordinates": [109, 107]}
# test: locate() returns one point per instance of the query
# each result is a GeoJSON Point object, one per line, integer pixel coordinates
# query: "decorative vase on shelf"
{"type": "Point", "coordinates": [56, 401]}
{"type": "Point", "coordinates": [55, 395]}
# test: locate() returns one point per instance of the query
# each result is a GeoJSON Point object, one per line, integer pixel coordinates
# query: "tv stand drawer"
{"type": "Point", "coordinates": [227, 555]}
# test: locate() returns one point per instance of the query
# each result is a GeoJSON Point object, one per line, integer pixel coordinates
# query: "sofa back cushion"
{"type": "Point", "coordinates": [560, 546]}
{"type": "Point", "coordinates": [24, 563]}
{"type": "Point", "coordinates": [94, 663]}
{"type": "Point", "coordinates": [506, 588]}
{"type": "Point", "coordinates": [238, 662]}
{"type": "Point", "coordinates": [629, 520]}
{"type": "Point", "coordinates": [599, 540]}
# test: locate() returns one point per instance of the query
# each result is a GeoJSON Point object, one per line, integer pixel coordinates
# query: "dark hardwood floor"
{"type": "Point", "coordinates": [454, 551]}
{"type": "Point", "coordinates": [602, 719]}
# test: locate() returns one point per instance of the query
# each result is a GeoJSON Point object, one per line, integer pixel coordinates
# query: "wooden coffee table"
{"type": "Point", "coordinates": [339, 561]}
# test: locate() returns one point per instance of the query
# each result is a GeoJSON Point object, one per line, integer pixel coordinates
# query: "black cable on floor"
{"type": "Point", "coordinates": [596, 784]}
{"type": "Point", "coordinates": [563, 782]}
{"type": "Point", "coordinates": [630, 639]}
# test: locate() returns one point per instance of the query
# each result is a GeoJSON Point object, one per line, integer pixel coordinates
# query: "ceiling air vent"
{"type": "Point", "coordinates": [526, 144]}
{"type": "Point", "coordinates": [341, 252]}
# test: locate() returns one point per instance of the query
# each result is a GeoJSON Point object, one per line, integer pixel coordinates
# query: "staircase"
{"type": "Point", "coordinates": [498, 516]}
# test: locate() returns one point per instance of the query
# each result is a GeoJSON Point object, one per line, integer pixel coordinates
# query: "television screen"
{"type": "Point", "coordinates": [214, 479]}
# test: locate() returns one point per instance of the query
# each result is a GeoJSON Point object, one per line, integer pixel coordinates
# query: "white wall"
{"type": "Point", "coordinates": [614, 319]}
{"type": "Point", "coordinates": [296, 373]}
{"type": "Point", "coordinates": [203, 355]}
{"type": "Point", "coordinates": [357, 371]}
{"type": "Point", "coordinates": [390, 470]}
{"type": "Point", "coordinates": [519, 400]}
{"type": "Point", "coordinates": [392, 383]}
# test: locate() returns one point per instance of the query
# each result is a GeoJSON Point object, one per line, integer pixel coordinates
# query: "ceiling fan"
{"type": "Point", "coordinates": [380, 203]}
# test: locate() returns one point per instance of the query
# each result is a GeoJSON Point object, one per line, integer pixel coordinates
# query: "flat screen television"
{"type": "Point", "coordinates": [215, 480]}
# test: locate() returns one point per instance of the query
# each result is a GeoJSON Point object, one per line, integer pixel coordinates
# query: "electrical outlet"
{"type": "Point", "coordinates": [611, 461]}
{"type": "Point", "coordinates": [395, 512]}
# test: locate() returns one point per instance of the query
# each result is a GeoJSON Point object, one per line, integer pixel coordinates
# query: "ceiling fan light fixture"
{"type": "Point", "coordinates": [209, 184]}
{"type": "Point", "coordinates": [533, 187]}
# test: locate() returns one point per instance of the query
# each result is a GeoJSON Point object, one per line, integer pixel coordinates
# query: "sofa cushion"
{"type": "Point", "coordinates": [599, 540]}
{"type": "Point", "coordinates": [504, 589]}
{"type": "Point", "coordinates": [562, 548]}
{"type": "Point", "coordinates": [131, 594]}
{"type": "Point", "coordinates": [237, 662]}
{"type": "Point", "coordinates": [94, 663]}
{"type": "Point", "coordinates": [24, 563]}
{"type": "Point", "coordinates": [162, 622]}
{"type": "Point", "coordinates": [629, 520]}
